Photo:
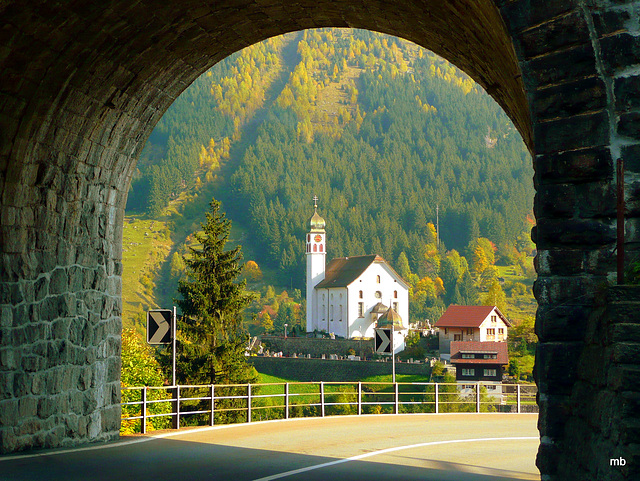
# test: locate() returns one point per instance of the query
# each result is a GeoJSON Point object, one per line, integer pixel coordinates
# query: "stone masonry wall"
{"type": "Point", "coordinates": [318, 347]}
{"type": "Point", "coordinates": [581, 66]}
{"type": "Point", "coordinates": [313, 370]}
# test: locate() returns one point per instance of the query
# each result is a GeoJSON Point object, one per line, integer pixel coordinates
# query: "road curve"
{"type": "Point", "coordinates": [456, 447]}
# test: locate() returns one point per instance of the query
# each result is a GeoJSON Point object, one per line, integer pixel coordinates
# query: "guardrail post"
{"type": "Point", "coordinates": [322, 397]}
{"type": "Point", "coordinates": [396, 401]}
{"type": "Point", "coordinates": [477, 397]}
{"type": "Point", "coordinates": [176, 419]}
{"type": "Point", "coordinates": [286, 401]}
{"type": "Point", "coordinates": [143, 427]}
{"type": "Point", "coordinates": [359, 398]}
{"type": "Point", "coordinates": [248, 403]}
{"type": "Point", "coordinates": [518, 394]}
{"type": "Point", "coordinates": [213, 404]}
{"type": "Point", "coordinates": [436, 394]}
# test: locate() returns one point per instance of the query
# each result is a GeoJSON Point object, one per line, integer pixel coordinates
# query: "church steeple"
{"type": "Point", "coordinates": [316, 261]}
{"type": "Point", "coordinates": [317, 222]}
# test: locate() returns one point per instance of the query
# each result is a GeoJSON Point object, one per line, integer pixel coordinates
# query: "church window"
{"type": "Point", "coordinates": [340, 312]}
{"type": "Point", "coordinates": [320, 247]}
{"type": "Point", "coordinates": [395, 306]}
{"type": "Point", "coordinates": [308, 237]}
{"type": "Point", "coordinates": [378, 279]}
{"type": "Point", "coordinates": [360, 309]}
{"type": "Point", "coordinates": [378, 295]}
{"type": "Point", "coordinates": [395, 294]}
{"type": "Point", "coordinates": [315, 247]}
{"type": "Point", "coordinates": [360, 294]}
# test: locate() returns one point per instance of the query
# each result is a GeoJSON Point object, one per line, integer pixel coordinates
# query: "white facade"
{"type": "Point", "coordinates": [347, 296]}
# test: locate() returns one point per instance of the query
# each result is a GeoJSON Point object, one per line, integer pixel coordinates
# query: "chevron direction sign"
{"type": "Point", "coordinates": [159, 326]}
{"type": "Point", "coordinates": [383, 341]}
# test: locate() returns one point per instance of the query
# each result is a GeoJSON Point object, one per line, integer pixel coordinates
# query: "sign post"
{"type": "Point", "coordinates": [384, 345]}
{"type": "Point", "coordinates": [173, 347]}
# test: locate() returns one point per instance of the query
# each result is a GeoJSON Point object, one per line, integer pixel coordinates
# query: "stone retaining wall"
{"type": "Point", "coordinates": [299, 369]}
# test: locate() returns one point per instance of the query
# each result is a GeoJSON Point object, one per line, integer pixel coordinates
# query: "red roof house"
{"type": "Point", "coordinates": [470, 323]}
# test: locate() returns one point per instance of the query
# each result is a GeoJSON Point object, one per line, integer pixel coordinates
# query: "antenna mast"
{"type": "Point", "coordinates": [437, 226]}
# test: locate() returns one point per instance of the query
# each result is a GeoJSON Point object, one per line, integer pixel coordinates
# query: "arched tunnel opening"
{"type": "Point", "coordinates": [84, 84]}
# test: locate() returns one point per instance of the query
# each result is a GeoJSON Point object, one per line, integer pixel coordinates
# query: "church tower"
{"type": "Point", "coordinates": [316, 255]}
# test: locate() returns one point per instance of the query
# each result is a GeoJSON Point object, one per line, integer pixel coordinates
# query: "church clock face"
{"type": "Point", "coordinates": [317, 238]}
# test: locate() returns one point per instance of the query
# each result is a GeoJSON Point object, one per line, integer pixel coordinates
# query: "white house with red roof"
{"type": "Point", "coordinates": [470, 324]}
{"type": "Point", "coordinates": [350, 295]}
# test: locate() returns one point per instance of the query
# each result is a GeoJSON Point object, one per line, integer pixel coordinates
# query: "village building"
{"type": "Point", "coordinates": [350, 295]}
{"type": "Point", "coordinates": [470, 323]}
{"type": "Point", "coordinates": [479, 361]}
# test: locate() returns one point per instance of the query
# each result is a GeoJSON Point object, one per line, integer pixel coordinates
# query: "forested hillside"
{"type": "Point", "coordinates": [383, 132]}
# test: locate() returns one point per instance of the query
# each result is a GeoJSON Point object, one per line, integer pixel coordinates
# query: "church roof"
{"type": "Point", "coordinates": [379, 308]}
{"type": "Point", "coordinates": [342, 271]}
{"type": "Point", "coordinates": [317, 223]}
{"type": "Point", "coordinates": [390, 319]}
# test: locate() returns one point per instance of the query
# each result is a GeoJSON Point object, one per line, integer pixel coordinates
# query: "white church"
{"type": "Point", "coordinates": [351, 296]}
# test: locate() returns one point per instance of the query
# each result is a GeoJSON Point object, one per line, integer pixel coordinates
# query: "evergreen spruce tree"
{"type": "Point", "coordinates": [211, 335]}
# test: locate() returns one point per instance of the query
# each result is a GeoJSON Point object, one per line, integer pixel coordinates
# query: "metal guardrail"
{"type": "Point", "coordinates": [227, 403]}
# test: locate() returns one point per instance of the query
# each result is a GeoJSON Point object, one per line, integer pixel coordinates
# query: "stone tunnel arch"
{"type": "Point", "coordinates": [83, 84]}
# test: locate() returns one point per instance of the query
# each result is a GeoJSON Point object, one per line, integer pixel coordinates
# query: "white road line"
{"type": "Point", "coordinates": [385, 451]}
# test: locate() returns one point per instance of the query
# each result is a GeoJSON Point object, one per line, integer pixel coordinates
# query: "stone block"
{"type": "Point", "coordinates": [627, 93]}
{"type": "Point", "coordinates": [579, 132]}
{"type": "Point", "coordinates": [559, 33]}
{"type": "Point", "coordinates": [559, 67]}
{"type": "Point", "coordinates": [626, 332]}
{"type": "Point", "coordinates": [27, 407]}
{"type": "Point", "coordinates": [561, 323]}
{"type": "Point", "coordinates": [629, 125]}
{"type": "Point", "coordinates": [557, 200]}
{"type": "Point", "coordinates": [551, 378]}
{"type": "Point", "coordinates": [624, 378]}
{"type": "Point", "coordinates": [620, 51]}
{"type": "Point", "coordinates": [589, 233]}
{"type": "Point", "coordinates": [607, 22]}
{"type": "Point", "coordinates": [521, 14]}
{"type": "Point", "coordinates": [569, 99]}
{"type": "Point", "coordinates": [626, 352]}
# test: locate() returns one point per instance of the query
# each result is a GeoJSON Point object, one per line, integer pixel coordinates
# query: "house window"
{"type": "Point", "coordinates": [378, 279]}
{"type": "Point", "coordinates": [490, 356]}
{"type": "Point", "coordinates": [360, 294]}
{"type": "Point", "coordinates": [491, 387]}
{"type": "Point", "coordinates": [469, 331]}
{"type": "Point", "coordinates": [360, 309]}
{"type": "Point", "coordinates": [494, 319]}
{"type": "Point", "coordinates": [446, 331]}
{"type": "Point", "coordinates": [490, 372]}
{"type": "Point", "coordinates": [468, 356]}
{"type": "Point", "coordinates": [457, 337]}
{"type": "Point", "coordinates": [395, 294]}
{"type": "Point", "coordinates": [468, 372]}
{"type": "Point", "coordinates": [491, 333]}
{"type": "Point", "coordinates": [501, 331]}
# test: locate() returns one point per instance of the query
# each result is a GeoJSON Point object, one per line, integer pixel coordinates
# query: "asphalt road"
{"type": "Point", "coordinates": [456, 447]}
